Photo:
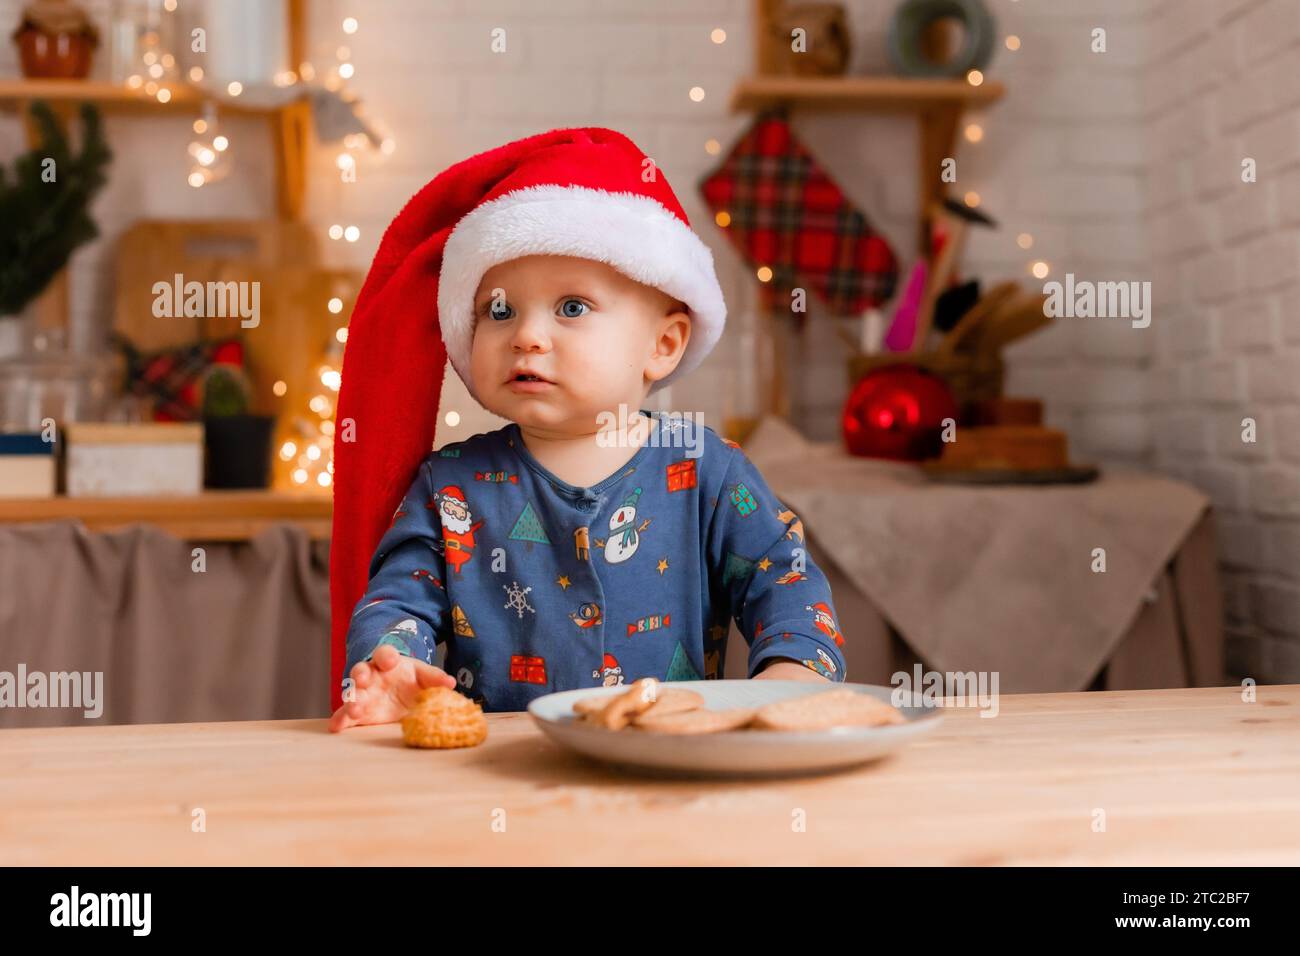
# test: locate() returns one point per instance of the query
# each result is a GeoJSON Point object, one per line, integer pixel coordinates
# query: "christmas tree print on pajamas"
{"type": "Point", "coordinates": [533, 585]}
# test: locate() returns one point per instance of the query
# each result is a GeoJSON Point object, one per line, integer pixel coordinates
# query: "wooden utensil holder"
{"type": "Point", "coordinates": [971, 376]}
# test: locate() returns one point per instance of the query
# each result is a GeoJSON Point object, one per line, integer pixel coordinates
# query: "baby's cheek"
{"type": "Point", "coordinates": [481, 352]}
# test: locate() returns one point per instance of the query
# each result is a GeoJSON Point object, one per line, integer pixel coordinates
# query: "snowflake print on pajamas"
{"type": "Point", "coordinates": [517, 599]}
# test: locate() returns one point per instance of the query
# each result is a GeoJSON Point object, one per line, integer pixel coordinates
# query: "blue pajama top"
{"type": "Point", "coordinates": [536, 585]}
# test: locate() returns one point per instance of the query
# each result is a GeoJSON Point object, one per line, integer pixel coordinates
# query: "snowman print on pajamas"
{"type": "Point", "coordinates": [624, 533]}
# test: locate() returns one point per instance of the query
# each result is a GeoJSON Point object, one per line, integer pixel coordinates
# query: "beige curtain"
{"type": "Point", "coordinates": [244, 638]}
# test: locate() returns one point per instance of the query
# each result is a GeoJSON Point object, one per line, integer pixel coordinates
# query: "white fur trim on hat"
{"type": "Point", "coordinates": [634, 234]}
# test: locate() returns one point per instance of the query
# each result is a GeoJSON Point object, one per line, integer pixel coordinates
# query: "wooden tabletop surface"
{"type": "Point", "coordinates": [1177, 777]}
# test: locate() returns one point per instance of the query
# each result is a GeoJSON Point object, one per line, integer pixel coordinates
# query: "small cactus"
{"type": "Point", "coordinates": [226, 392]}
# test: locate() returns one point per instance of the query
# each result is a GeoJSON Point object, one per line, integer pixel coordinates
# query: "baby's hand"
{"type": "Point", "coordinates": [384, 688]}
{"type": "Point", "coordinates": [783, 668]}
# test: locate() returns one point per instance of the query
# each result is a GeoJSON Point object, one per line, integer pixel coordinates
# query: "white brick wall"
{"type": "Point", "coordinates": [1245, 101]}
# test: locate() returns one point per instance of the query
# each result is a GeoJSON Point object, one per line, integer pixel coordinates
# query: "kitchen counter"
{"type": "Point", "coordinates": [210, 516]}
{"type": "Point", "coordinates": [1167, 777]}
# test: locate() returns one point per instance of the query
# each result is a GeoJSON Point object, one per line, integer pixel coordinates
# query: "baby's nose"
{"type": "Point", "coordinates": [530, 334]}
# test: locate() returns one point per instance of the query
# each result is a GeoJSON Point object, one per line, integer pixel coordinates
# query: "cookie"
{"type": "Point", "coordinates": [638, 699]}
{"type": "Point", "coordinates": [668, 700]}
{"type": "Point", "coordinates": [695, 721]}
{"type": "Point", "coordinates": [442, 718]}
{"type": "Point", "coordinates": [833, 708]}
{"type": "Point", "coordinates": [589, 706]}
{"type": "Point", "coordinates": [671, 700]}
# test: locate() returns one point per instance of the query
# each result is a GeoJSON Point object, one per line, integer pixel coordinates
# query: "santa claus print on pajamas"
{"type": "Point", "coordinates": [457, 532]}
{"type": "Point", "coordinates": [825, 621]}
{"type": "Point", "coordinates": [554, 607]}
{"type": "Point", "coordinates": [609, 673]}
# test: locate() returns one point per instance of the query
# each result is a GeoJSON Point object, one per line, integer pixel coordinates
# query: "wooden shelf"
{"type": "Point", "coordinates": [211, 516]}
{"type": "Point", "coordinates": [115, 98]}
{"type": "Point", "coordinates": [291, 121]}
{"type": "Point", "coordinates": [870, 93]}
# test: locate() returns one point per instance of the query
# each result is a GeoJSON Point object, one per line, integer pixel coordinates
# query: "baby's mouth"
{"type": "Point", "coordinates": [527, 377]}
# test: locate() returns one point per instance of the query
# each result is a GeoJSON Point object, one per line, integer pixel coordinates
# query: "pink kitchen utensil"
{"type": "Point", "coordinates": [902, 330]}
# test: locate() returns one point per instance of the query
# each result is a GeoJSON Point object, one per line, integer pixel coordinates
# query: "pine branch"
{"type": "Point", "coordinates": [43, 223]}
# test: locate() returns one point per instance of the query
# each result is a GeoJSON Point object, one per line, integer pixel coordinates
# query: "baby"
{"type": "Point", "coordinates": [590, 542]}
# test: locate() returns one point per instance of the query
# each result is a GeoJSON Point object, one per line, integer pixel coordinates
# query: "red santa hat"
{"type": "Point", "coordinates": [589, 193]}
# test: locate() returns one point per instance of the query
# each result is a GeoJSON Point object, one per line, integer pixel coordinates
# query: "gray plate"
{"type": "Point", "coordinates": [738, 752]}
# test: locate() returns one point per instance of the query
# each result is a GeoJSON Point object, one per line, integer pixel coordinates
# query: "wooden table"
{"type": "Point", "coordinates": [1183, 776]}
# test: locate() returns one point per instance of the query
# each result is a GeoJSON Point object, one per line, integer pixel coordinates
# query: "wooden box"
{"type": "Point", "coordinates": [112, 460]}
{"type": "Point", "coordinates": [27, 468]}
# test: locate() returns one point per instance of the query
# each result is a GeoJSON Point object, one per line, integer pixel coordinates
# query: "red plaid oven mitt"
{"type": "Point", "coordinates": [171, 379]}
{"type": "Point", "coordinates": [787, 214]}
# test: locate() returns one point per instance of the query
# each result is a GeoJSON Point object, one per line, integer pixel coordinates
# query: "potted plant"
{"type": "Point", "coordinates": [237, 445]}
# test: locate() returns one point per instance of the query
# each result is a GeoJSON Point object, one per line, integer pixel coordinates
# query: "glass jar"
{"type": "Point", "coordinates": [55, 385]}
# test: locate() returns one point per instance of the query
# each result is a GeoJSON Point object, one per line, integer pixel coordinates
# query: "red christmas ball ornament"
{"type": "Point", "coordinates": [897, 412]}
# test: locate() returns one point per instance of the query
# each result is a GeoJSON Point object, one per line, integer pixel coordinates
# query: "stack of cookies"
{"type": "Point", "coordinates": [646, 706]}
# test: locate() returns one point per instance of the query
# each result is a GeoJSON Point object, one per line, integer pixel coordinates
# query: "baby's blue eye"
{"type": "Point", "coordinates": [500, 311]}
{"type": "Point", "coordinates": [568, 312]}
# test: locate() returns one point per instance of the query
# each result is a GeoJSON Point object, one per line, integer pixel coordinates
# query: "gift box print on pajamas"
{"type": "Point", "coordinates": [536, 585]}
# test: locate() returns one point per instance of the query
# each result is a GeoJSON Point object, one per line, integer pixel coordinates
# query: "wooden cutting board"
{"type": "Point", "coordinates": [295, 326]}
{"type": "Point", "coordinates": [153, 251]}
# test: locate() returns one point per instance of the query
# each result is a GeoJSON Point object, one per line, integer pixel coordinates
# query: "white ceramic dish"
{"type": "Point", "coordinates": [745, 752]}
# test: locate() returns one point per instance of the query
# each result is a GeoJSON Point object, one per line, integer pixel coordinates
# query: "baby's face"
{"type": "Point", "coordinates": [597, 338]}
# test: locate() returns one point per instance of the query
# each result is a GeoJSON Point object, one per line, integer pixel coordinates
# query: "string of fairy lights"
{"type": "Point", "coordinates": [309, 451]}
{"type": "Point", "coordinates": [974, 134]}
{"type": "Point", "coordinates": [157, 74]}
{"type": "Point", "coordinates": [312, 454]}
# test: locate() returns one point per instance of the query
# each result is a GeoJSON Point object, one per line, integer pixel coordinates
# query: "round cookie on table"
{"type": "Point", "coordinates": [442, 718]}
